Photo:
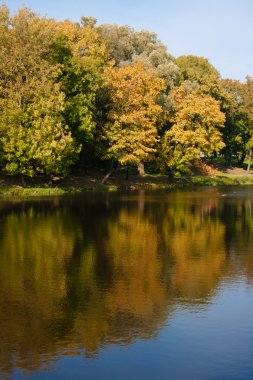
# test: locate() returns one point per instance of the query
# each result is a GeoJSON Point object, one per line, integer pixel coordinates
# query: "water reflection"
{"type": "Point", "coordinates": [84, 273]}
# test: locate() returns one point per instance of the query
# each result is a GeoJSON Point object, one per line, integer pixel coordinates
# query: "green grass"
{"type": "Point", "coordinates": [19, 191]}
{"type": "Point", "coordinates": [35, 191]}
{"type": "Point", "coordinates": [221, 180]}
{"type": "Point", "coordinates": [106, 188]}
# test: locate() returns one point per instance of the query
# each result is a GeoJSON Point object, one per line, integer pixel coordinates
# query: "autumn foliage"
{"type": "Point", "coordinates": [131, 127]}
{"type": "Point", "coordinates": [74, 95]}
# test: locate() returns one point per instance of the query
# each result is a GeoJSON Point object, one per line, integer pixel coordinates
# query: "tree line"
{"type": "Point", "coordinates": [78, 95]}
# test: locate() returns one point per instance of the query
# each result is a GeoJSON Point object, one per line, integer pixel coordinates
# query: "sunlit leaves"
{"type": "Point", "coordinates": [194, 132]}
{"type": "Point", "coordinates": [33, 133]}
{"type": "Point", "coordinates": [198, 70]}
{"type": "Point", "coordinates": [131, 131]}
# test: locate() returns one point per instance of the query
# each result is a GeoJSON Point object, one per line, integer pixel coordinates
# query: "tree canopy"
{"type": "Point", "coordinates": [131, 128]}
{"type": "Point", "coordinates": [195, 130]}
{"type": "Point", "coordinates": [74, 93]}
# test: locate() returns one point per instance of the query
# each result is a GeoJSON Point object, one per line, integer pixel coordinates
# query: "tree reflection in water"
{"type": "Point", "coordinates": [83, 273]}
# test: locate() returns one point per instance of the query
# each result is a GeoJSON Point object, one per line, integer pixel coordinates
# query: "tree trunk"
{"type": "Point", "coordinates": [23, 180]}
{"type": "Point", "coordinates": [249, 163]}
{"type": "Point", "coordinates": [141, 169]}
{"type": "Point", "coordinates": [228, 159]}
{"type": "Point", "coordinates": [85, 167]}
{"type": "Point", "coordinates": [242, 158]}
{"type": "Point", "coordinates": [107, 176]}
{"type": "Point", "coordinates": [170, 175]}
{"type": "Point", "coordinates": [113, 168]}
{"type": "Point", "coordinates": [127, 173]}
{"type": "Point", "coordinates": [85, 159]}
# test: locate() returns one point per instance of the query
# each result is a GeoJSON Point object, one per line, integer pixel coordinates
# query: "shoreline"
{"type": "Point", "coordinates": [78, 185]}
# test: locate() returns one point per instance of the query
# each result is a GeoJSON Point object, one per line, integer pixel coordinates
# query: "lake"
{"type": "Point", "coordinates": [138, 285]}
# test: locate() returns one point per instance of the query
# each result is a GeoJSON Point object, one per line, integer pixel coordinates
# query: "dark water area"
{"type": "Point", "coordinates": [128, 286]}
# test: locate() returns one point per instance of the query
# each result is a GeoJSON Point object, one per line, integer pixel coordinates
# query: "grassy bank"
{"type": "Point", "coordinates": [19, 191]}
{"type": "Point", "coordinates": [222, 180]}
{"type": "Point", "coordinates": [77, 185]}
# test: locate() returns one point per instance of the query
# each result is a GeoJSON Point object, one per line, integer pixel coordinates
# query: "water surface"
{"type": "Point", "coordinates": [128, 286]}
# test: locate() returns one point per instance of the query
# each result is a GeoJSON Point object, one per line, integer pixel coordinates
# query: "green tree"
{"type": "Point", "coordinates": [33, 134]}
{"type": "Point", "coordinates": [236, 133]}
{"type": "Point", "coordinates": [82, 56]}
{"type": "Point", "coordinates": [247, 106]}
{"type": "Point", "coordinates": [199, 70]}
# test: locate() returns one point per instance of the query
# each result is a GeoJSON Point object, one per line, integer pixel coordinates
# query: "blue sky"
{"type": "Point", "coordinates": [220, 30]}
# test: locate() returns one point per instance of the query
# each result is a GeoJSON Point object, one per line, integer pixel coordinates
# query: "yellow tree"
{"type": "Point", "coordinates": [131, 128]}
{"type": "Point", "coordinates": [195, 130]}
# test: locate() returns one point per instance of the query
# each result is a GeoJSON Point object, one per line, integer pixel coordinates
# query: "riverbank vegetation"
{"type": "Point", "coordinates": [12, 187]}
{"type": "Point", "coordinates": [77, 98]}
